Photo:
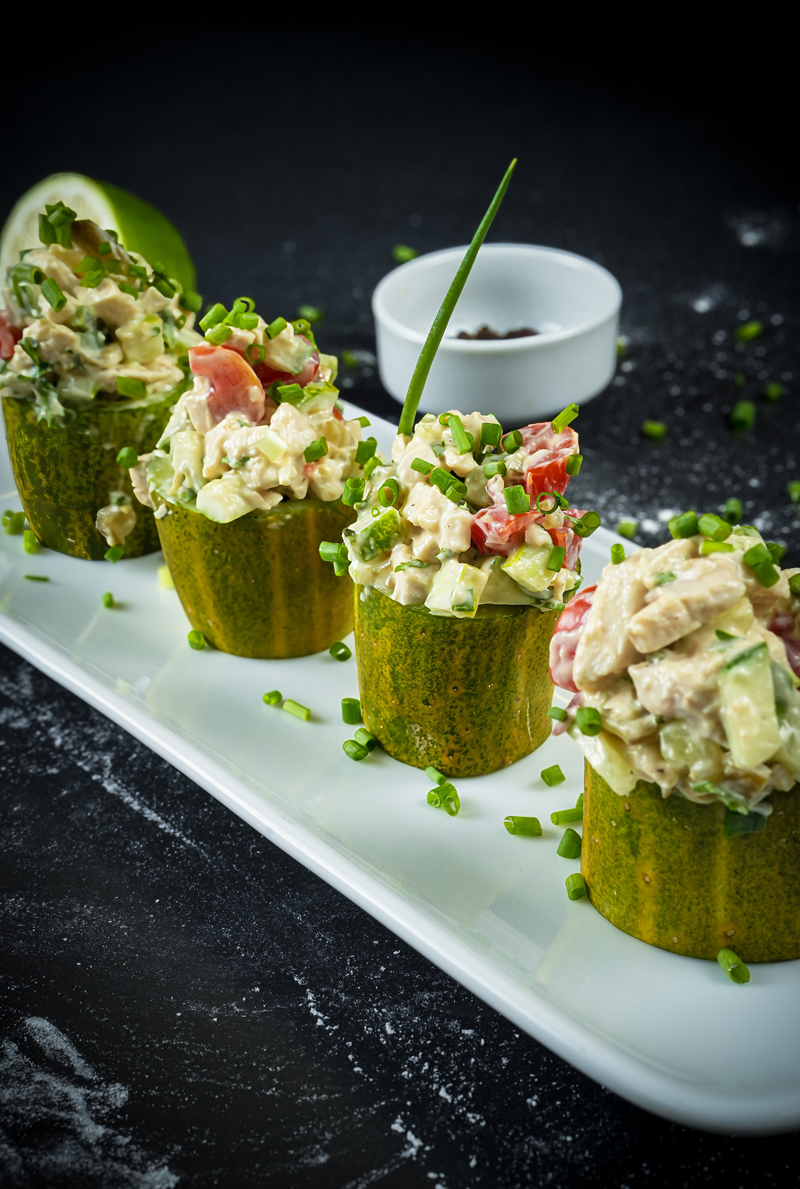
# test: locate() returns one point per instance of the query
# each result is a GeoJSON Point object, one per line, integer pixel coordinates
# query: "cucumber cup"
{"type": "Point", "coordinates": [246, 482]}
{"type": "Point", "coordinates": [93, 355]}
{"type": "Point", "coordinates": [687, 710]}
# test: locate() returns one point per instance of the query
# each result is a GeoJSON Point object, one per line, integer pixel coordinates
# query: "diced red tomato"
{"type": "Point", "coordinates": [496, 530]}
{"type": "Point", "coordinates": [546, 469]}
{"type": "Point", "coordinates": [235, 388]}
{"type": "Point", "coordinates": [9, 337]}
{"type": "Point", "coordinates": [565, 638]}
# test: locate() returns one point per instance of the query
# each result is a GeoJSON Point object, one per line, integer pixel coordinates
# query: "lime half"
{"type": "Point", "coordinates": [140, 227]}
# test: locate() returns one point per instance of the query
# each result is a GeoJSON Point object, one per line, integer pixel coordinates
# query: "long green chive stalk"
{"type": "Point", "coordinates": [436, 332]}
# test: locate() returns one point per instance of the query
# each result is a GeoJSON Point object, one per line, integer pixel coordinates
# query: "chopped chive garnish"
{"type": "Point", "coordinates": [555, 558]}
{"type": "Point", "coordinates": [707, 547]}
{"type": "Point", "coordinates": [364, 422]}
{"type": "Point", "coordinates": [402, 253]}
{"type": "Point", "coordinates": [655, 430]}
{"type": "Point", "coordinates": [190, 300]}
{"type": "Point", "coordinates": [129, 289]}
{"type": "Point", "coordinates": [115, 553]}
{"type": "Point", "coordinates": [579, 803]}
{"type": "Point", "coordinates": [776, 551]}
{"type": "Point", "coordinates": [370, 465]}
{"type": "Point", "coordinates": [351, 711]}
{"type": "Point", "coordinates": [570, 845]}
{"type": "Point", "coordinates": [219, 334]}
{"type": "Point", "coordinates": [794, 586]}
{"type": "Point", "coordinates": [436, 332]}
{"type": "Point", "coordinates": [256, 354]}
{"type": "Point", "coordinates": [462, 440]}
{"type": "Point", "coordinates": [562, 817]}
{"type": "Point", "coordinates": [760, 562]}
{"type": "Point", "coordinates": [714, 527]}
{"type": "Point", "coordinates": [310, 313]}
{"type": "Point", "coordinates": [276, 327]}
{"type": "Point", "coordinates": [356, 751]}
{"type": "Point", "coordinates": [107, 599]}
{"type": "Point", "coordinates": [748, 332]}
{"type": "Point", "coordinates": [574, 464]}
{"type": "Point", "coordinates": [196, 640]}
{"type": "Point", "coordinates": [494, 466]}
{"type": "Point", "coordinates": [295, 708]}
{"type": "Point", "coordinates": [272, 697]}
{"type": "Point", "coordinates": [576, 886]}
{"type": "Point", "coordinates": [617, 554]}
{"type": "Point", "coordinates": [739, 380]}
{"type": "Point", "coordinates": [512, 441]}
{"type": "Point", "coordinates": [444, 796]}
{"type": "Point", "coordinates": [517, 500]}
{"type": "Point", "coordinates": [340, 651]}
{"type": "Point", "coordinates": [213, 317]}
{"type": "Point", "coordinates": [526, 826]}
{"type": "Point", "coordinates": [366, 739]}
{"type": "Point", "coordinates": [128, 386]}
{"type": "Point", "coordinates": [365, 450]}
{"type": "Point", "coordinates": [419, 464]}
{"type": "Point", "coordinates": [733, 510]}
{"type": "Point", "coordinates": [563, 419]}
{"type": "Point", "coordinates": [552, 775]}
{"type": "Point", "coordinates": [36, 577]}
{"type": "Point", "coordinates": [491, 433]}
{"type": "Point", "coordinates": [793, 490]}
{"type": "Point", "coordinates": [389, 492]}
{"type": "Point", "coordinates": [585, 525]}
{"type": "Point", "coordinates": [456, 490]}
{"type": "Point", "coordinates": [621, 348]}
{"type": "Point", "coordinates": [29, 542]}
{"type": "Point", "coordinates": [51, 292]}
{"type": "Point", "coordinates": [588, 720]}
{"type": "Point", "coordinates": [684, 525]}
{"type": "Point", "coordinates": [773, 392]}
{"type": "Point", "coordinates": [627, 528]}
{"type": "Point", "coordinates": [353, 492]}
{"type": "Point", "coordinates": [332, 551]}
{"type": "Point", "coordinates": [14, 523]}
{"type": "Point", "coordinates": [435, 776]}
{"type": "Point", "coordinates": [127, 457]}
{"type": "Point", "coordinates": [724, 636]}
{"type": "Point", "coordinates": [317, 449]}
{"type": "Point", "coordinates": [743, 415]}
{"type": "Point", "coordinates": [351, 360]}
{"type": "Point", "coordinates": [733, 966]}
{"type": "Point", "coordinates": [557, 713]}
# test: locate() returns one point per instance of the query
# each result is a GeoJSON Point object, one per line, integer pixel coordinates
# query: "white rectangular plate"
{"type": "Point", "coordinates": [671, 1034]}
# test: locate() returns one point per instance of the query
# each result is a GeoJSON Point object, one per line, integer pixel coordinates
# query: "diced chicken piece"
{"type": "Point", "coordinates": [56, 344]}
{"type": "Point", "coordinates": [409, 586]}
{"type": "Point", "coordinates": [623, 714]}
{"type": "Point", "coordinates": [707, 588]}
{"type": "Point", "coordinates": [108, 302]}
{"type": "Point", "coordinates": [428, 508]}
{"type": "Point", "coordinates": [683, 687]}
{"type": "Point", "coordinates": [604, 647]}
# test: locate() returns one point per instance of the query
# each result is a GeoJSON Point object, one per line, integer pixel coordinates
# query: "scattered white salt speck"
{"type": "Point", "coordinates": [718, 337]}
{"type": "Point", "coordinates": [650, 526]}
{"type": "Point", "coordinates": [667, 513]}
{"type": "Point", "coordinates": [776, 319]}
{"type": "Point", "coordinates": [707, 407]}
{"type": "Point", "coordinates": [178, 1013]}
{"type": "Point", "coordinates": [744, 315]}
{"type": "Point", "coordinates": [628, 365]}
{"type": "Point", "coordinates": [443, 1094]}
{"type": "Point", "coordinates": [389, 1029]}
{"type": "Point", "coordinates": [786, 376]}
{"type": "Point", "coordinates": [619, 381]}
{"type": "Point", "coordinates": [675, 390]}
{"type": "Point", "coordinates": [398, 1124]}
{"type": "Point", "coordinates": [702, 305]}
{"type": "Point", "coordinates": [754, 482]}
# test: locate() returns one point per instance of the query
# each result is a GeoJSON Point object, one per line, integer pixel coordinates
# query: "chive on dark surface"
{"type": "Point", "coordinates": [627, 528]}
{"type": "Point", "coordinates": [529, 827]}
{"type": "Point", "coordinates": [733, 510]}
{"type": "Point", "coordinates": [654, 430]}
{"type": "Point", "coordinates": [760, 562]}
{"type": "Point", "coordinates": [743, 416]}
{"type": "Point", "coordinates": [749, 331]}
{"type": "Point", "coordinates": [560, 423]}
{"type": "Point", "coordinates": [713, 527]}
{"type": "Point", "coordinates": [574, 464]}
{"type": "Point", "coordinates": [570, 845]}
{"type": "Point", "coordinates": [684, 525]}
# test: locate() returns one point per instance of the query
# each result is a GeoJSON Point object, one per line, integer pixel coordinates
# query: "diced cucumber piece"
{"type": "Point", "coordinates": [606, 754]}
{"type": "Point", "coordinates": [186, 455]}
{"type": "Point", "coordinates": [528, 566]}
{"type": "Point", "coordinates": [223, 500]}
{"type": "Point", "coordinates": [319, 397]}
{"type": "Point", "coordinates": [456, 590]}
{"type": "Point", "coordinates": [789, 752]}
{"type": "Point", "coordinates": [160, 475]}
{"type": "Point", "coordinates": [684, 748]}
{"type": "Point", "coordinates": [271, 444]}
{"type": "Point", "coordinates": [377, 535]}
{"type": "Point", "coordinates": [747, 705]}
{"type": "Point", "coordinates": [500, 587]}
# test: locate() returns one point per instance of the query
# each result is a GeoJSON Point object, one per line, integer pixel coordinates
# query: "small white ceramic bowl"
{"type": "Point", "coordinates": [571, 301]}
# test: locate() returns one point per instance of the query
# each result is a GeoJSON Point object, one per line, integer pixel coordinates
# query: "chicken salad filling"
{"type": "Point", "coordinates": [260, 423]}
{"type": "Point", "coordinates": [464, 515]}
{"type": "Point", "coordinates": [84, 319]}
{"type": "Point", "coordinates": [683, 662]}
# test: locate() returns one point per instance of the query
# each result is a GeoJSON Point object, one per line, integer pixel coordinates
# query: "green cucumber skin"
{"type": "Point", "coordinates": [467, 696]}
{"type": "Point", "coordinates": [663, 871]}
{"type": "Point", "coordinates": [257, 586]}
{"type": "Point", "coordinates": [66, 473]}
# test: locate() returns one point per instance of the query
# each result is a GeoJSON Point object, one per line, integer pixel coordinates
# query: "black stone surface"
{"type": "Point", "coordinates": [181, 1004]}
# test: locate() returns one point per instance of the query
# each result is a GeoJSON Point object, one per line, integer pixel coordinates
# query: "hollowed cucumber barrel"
{"type": "Point", "coordinates": [257, 586]}
{"type": "Point", "coordinates": [465, 695]}
{"type": "Point", "coordinates": [66, 473]}
{"type": "Point", "coordinates": [663, 870]}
